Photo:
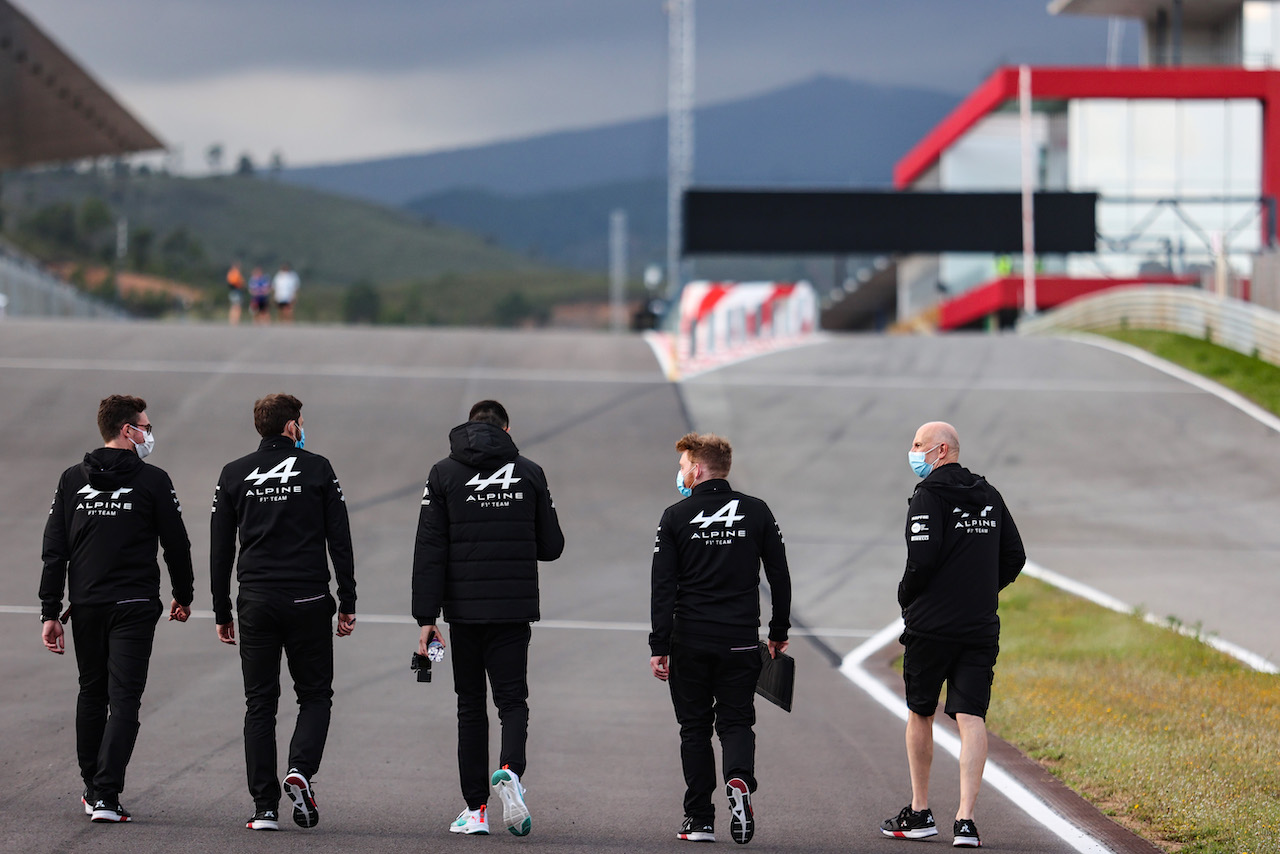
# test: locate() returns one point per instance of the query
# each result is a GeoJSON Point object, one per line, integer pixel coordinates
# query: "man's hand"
{"type": "Point", "coordinates": [227, 632]}
{"type": "Point", "coordinates": [424, 638]}
{"type": "Point", "coordinates": [53, 636]}
{"type": "Point", "coordinates": [776, 647]}
{"type": "Point", "coordinates": [179, 612]}
{"type": "Point", "coordinates": [658, 664]}
{"type": "Point", "coordinates": [346, 624]}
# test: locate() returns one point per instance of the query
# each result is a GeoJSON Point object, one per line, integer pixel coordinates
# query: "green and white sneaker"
{"type": "Point", "coordinates": [515, 814]}
{"type": "Point", "coordinates": [471, 821]}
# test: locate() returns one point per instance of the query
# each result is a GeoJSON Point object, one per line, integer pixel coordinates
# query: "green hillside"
{"type": "Point", "coordinates": [191, 229]}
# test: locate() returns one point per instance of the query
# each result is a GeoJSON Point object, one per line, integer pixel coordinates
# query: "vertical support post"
{"type": "Point", "coordinates": [1029, 178]}
{"type": "Point", "coordinates": [618, 270]}
{"type": "Point", "coordinates": [680, 67]}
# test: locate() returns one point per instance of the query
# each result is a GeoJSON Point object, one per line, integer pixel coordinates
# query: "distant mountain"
{"type": "Point", "coordinates": [564, 227]}
{"type": "Point", "coordinates": [824, 131]}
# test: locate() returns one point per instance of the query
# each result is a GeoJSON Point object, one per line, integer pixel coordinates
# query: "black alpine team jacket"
{"type": "Point", "coordinates": [705, 584]}
{"type": "Point", "coordinates": [287, 504]}
{"type": "Point", "coordinates": [963, 548]}
{"type": "Point", "coordinates": [487, 518]}
{"type": "Point", "coordinates": [107, 516]}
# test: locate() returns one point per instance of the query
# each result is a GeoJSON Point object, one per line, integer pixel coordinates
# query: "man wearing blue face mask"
{"type": "Point", "coordinates": [705, 609]}
{"type": "Point", "coordinates": [963, 548]}
{"type": "Point", "coordinates": [286, 504]}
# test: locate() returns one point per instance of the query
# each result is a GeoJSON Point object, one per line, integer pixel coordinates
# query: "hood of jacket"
{"type": "Point", "coordinates": [110, 468]}
{"type": "Point", "coordinates": [958, 486]}
{"type": "Point", "coordinates": [481, 445]}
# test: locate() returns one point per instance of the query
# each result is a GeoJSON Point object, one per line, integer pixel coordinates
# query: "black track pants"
{"type": "Point", "coordinates": [499, 651]}
{"type": "Point", "coordinates": [303, 631]}
{"type": "Point", "coordinates": [714, 689]}
{"type": "Point", "coordinates": [113, 651]}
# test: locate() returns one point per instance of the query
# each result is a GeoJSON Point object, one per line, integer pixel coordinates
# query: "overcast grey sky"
{"type": "Point", "coordinates": [331, 80]}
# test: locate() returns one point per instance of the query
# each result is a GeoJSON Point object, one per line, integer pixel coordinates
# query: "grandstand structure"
{"type": "Point", "coordinates": [1183, 151]}
{"type": "Point", "coordinates": [52, 110]}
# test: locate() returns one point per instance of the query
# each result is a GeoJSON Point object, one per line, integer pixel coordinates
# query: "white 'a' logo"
{"type": "Point", "coordinates": [90, 493]}
{"type": "Point", "coordinates": [504, 477]}
{"type": "Point", "coordinates": [282, 472]}
{"type": "Point", "coordinates": [726, 514]}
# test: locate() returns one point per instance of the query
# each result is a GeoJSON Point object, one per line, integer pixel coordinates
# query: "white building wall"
{"type": "Point", "coordinates": [1137, 152]}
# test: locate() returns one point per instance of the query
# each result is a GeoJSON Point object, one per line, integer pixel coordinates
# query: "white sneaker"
{"type": "Point", "coordinates": [515, 814]}
{"type": "Point", "coordinates": [471, 821]}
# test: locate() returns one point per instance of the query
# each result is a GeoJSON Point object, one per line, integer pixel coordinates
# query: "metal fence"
{"type": "Point", "coordinates": [1237, 325]}
{"type": "Point", "coordinates": [28, 290]}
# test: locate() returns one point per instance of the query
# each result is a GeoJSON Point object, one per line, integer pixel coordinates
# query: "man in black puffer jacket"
{"type": "Point", "coordinates": [963, 548]}
{"type": "Point", "coordinates": [486, 520]}
{"type": "Point", "coordinates": [108, 514]}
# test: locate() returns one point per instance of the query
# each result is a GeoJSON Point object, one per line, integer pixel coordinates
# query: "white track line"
{"type": "Point", "coordinates": [173, 366]}
{"type": "Point", "coordinates": [993, 775]}
{"type": "Point", "coordinates": [1221, 392]}
{"type": "Point", "coordinates": [1084, 591]}
{"type": "Point", "coordinates": [581, 625]}
{"type": "Point", "coordinates": [996, 776]}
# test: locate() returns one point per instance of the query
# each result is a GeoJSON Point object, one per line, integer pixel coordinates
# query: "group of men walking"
{"type": "Point", "coordinates": [486, 519]}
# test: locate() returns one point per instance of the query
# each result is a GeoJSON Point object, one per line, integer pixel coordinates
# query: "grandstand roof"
{"type": "Point", "coordinates": [51, 109]}
{"type": "Point", "coordinates": [1193, 11]}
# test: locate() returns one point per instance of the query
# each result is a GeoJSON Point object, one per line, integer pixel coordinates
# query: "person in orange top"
{"type": "Point", "coordinates": [235, 289]}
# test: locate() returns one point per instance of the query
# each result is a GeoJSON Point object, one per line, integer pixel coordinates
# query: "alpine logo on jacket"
{"type": "Point", "coordinates": [727, 516]}
{"type": "Point", "coordinates": [284, 472]}
{"type": "Point", "coordinates": [108, 507]}
{"type": "Point", "coordinates": [503, 478]}
{"type": "Point", "coordinates": [970, 525]}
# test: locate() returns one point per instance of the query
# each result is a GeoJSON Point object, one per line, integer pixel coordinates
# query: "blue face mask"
{"type": "Point", "coordinates": [684, 490]}
{"type": "Point", "coordinates": [302, 437]}
{"type": "Point", "coordinates": [916, 460]}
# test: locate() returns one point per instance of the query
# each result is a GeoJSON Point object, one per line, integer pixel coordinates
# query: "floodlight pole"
{"type": "Point", "coordinates": [618, 270]}
{"type": "Point", "coordinates": [1028, 194]}
{"type": "Point", "coordinates": [680, 65]}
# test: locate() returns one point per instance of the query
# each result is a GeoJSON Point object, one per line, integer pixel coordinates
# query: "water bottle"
{"type": "Point", "coordinates": [435, 650]}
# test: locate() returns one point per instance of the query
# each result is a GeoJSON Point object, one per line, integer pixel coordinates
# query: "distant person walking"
{"type": "Point", "coordinates": [235, 292]}
{"type": "Point", "coordinates": [487, 518]}
{"type": "Point", "coordinates": [285, 288]}
{"type": "Point", "coordinates": [108, 515]}
{"type": "Point", "coordinates": [260, 296]}
{"type": "Point", "coordinates": [705, 604]}
{"type": "Point", "coordinates": [286, 504]}
{"type": "Point", "coordinates": [963, 548]}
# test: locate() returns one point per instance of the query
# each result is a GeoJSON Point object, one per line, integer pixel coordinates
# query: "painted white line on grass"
{"type": "Point", "coordinates": [582, 625]}
{"type": "Point", "coordinates": [1084, 591]}
{"type": "Point", "coordinates": [993, 775]}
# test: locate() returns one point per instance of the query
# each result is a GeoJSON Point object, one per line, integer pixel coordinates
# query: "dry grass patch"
{"type": "Point", "coordinates": [1169, 736]}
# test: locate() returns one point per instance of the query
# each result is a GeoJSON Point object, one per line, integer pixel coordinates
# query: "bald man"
{"type": "Point", "coordinates": [963, 548]}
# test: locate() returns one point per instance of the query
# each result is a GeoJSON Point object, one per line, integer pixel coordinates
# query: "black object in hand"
{"type": "Point", "coordinates": [422, 666]}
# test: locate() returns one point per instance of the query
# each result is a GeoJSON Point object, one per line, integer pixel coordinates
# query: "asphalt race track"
{"type": "Point", "coordinates": [1118, 476]}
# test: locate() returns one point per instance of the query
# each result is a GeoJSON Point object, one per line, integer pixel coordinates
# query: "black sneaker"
{"type": "Point", "coordinates": [966, 834]}
{"type": "Point", "coordinates": [296, 787]}
{"type": "Point", "coordinates": [694, 830]}
{"type": "Point", "coordinates": [909, 824]}
{"type": "Point", "coordinates": [264, 820]}
{"type": "Point", "coordinates": [742, 820]}
{"type": "Point", "coordinates": [104, 810]}
{"type": "Point", "coordinates": [88, 800]}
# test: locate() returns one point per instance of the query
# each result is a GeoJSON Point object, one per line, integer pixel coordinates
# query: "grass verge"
{"type": "Point", "coordinates": [1173, 739]}
{"type": "Point", "coordinates": [1257, 380]}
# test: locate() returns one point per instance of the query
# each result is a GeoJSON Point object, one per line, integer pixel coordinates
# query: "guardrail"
{"type": "Point", "coordinates": [30, 291]}
{"type": "Point", "coordinates": [1227, 322]}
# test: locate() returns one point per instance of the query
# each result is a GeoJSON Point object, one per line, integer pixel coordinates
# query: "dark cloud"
{"type": "Point", "coordinates": [418, 74]}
